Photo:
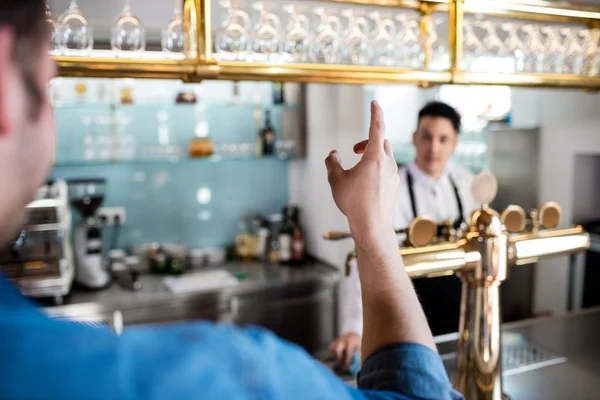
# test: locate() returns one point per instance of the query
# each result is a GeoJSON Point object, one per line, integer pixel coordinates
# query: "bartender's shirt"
{"type": "Point", "coordinates": [435, 198]}
{"type": "Point", "coordinates": [44, 358]}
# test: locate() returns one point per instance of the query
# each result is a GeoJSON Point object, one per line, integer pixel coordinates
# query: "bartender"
{"type": "Point", "coordinates": [429, 186]}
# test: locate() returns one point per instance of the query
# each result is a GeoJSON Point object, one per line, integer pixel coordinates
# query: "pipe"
{"type": "Point", "coordinates": [530, 247]}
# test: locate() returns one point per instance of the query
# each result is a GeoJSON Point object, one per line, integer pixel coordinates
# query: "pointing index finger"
{"type": "Point", "coordinates": [377, 129]}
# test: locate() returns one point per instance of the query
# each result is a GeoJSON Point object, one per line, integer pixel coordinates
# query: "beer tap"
{"type": "Point", "coordinates": [479, 254]}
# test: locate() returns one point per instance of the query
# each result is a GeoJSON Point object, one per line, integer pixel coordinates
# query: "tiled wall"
{"type": "Point", "coordinates": [193, 201]}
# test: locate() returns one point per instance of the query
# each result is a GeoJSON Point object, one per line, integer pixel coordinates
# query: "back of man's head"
{"type": "Point", "coordinates": [25, 115]}
{"type": "Point", "coordinates": [438, 109]}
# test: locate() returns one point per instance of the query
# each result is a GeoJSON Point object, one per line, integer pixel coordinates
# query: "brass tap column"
{"type": "Point", "coordinates": [479, 354]}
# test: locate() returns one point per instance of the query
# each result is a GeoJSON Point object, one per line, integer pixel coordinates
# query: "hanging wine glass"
{"type": "Point", "coordinates": [535, 54]}
{"type": "Point", "coordinates": [514, 46]}
{"type": "Point", "coordinates": [55, 43]}
{"type": "Point", "coordinates": [296, 45]}
{"type": "Point", "coordinates": [75, 34]}
{"type": "Point", "coordinates": [440, 54]}
{"type": "Point", "coordinates": [383, 40]}
{"type": "Point", "coordinates": [128, 34]}
{"type": "Point", "coordinates": [327, 41]}
{"type": "Point", "coordinates": [266, 41]}
{"type": "Point", "coordinates": [574, 57]}
{"type": "Point", "coordinates": [590, 39]}
{"type": "Point", "coordinates": [554, 51]}
{"type": "Point", "coordinates": [472, 47]}
{"type": "Point", "coordinates": [356, 46]}
{"type": "Point", "coordinates": [232, 40]}
{"type": "Point", "coordinates": [409, 49]}
{"type": "Point", "coordinates": [173, 37]}
{"type": "Point", "coordinates": [494, 50]}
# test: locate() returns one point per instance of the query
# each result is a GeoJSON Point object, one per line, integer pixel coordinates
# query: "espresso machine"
{"type": "Point", "coordinates": [39, 261]}
{"type": "Point", "coordinates": [87, 195]}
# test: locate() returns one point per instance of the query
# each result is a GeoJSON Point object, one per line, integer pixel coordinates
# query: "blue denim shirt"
{"type": "Point", "coordinates": [43, 358]}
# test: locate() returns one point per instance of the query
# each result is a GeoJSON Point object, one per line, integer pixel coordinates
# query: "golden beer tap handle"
{"type": "Point", "coordinates": [337, 235]}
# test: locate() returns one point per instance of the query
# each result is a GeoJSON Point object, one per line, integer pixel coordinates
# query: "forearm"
{"type": "Point", "coordinates": [392, 312]}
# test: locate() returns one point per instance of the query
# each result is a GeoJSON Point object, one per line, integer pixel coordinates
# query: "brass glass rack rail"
{"type": "Point", "coordinates": [200, 62]}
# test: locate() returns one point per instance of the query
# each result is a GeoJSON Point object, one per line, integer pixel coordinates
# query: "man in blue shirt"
{"type": "Point", "coordinates": [47, 359]}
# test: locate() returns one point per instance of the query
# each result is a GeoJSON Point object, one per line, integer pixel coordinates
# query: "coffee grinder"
{"type": "Point", "coordinates": [87, 195]}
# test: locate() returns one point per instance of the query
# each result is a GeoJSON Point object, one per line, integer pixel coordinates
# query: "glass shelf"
{"type": "Point", "coordinates": [174, 160]}
{"type": "Point", "coordinates": [147, 106]}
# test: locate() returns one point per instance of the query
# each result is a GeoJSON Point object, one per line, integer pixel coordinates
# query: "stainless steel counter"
{"type": "Point", "coordinates": [297, 303]}
{"type": "Point", "coordinates": [573, 373]}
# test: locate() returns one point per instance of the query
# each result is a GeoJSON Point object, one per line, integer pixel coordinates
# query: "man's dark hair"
{"type": "Point", "coordinates": [441, 110]}
{"type": "Point", "coordinates": [26, 19]}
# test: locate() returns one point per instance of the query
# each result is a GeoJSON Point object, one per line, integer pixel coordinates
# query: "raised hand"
{"type": "Point", "coordinates": [366, 192]}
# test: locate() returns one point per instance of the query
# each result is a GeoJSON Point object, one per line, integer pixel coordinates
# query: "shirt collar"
{"type": "Point", "coordinates": [429, 181]}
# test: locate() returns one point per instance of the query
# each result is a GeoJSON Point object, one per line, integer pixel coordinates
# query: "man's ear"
{"type": "Point", "coordinates": [414, 138]}
{"type": "Point", "coordinates": [6, 46]}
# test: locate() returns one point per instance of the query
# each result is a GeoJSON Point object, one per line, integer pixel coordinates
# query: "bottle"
{"type": "Point", "coordinates": [298, 243]}
{"type": "Point", "coordinates": [201, 145]}
{"type": "Point", "coordinates": [285, 236]}
{"type": "Point", "coordinates": [267, 136]}
{"type": "Point", "coordinates": [262, 237]}
{"type": "Point", "coordinates": [273, 240]}
{"type": "Point", "coordinates": [81, 92]}
{"type": "Point", "coordinates": [236, 96]}
{"type": "Point", "coordinates": [278, 93]}
{"type": "Point", "coordinates": [243, 241]}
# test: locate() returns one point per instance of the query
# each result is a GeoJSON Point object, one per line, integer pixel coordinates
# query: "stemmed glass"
{"type": "Point", "coordinates": [232, 40]}
{"type": "Point", "coordinates": [267, 38]}
{"type": "Point", "coordinates": [534, 56]}
{"type": "Point", "coordinates": [327, 46]}
{"type": "Point", "coordinates": [514, 46]}
{"type": "Point", "coordinates": [472, 46]}
{"type": "Point", "coordinates": [296, 45]}
{"type": "Point", "coordinates": [173, 37]}
{"type": "Point", "coordinates": [432, 42]}
{"type": "Point", "coordinates": [409, 47]}
{"type": "Point", "coordinates": [128, 34]}
{"type": "Point", "coordinates": [76, 35]}
{"type": "Point", "coordinates": [590, 39]}
{"type": "Point", "coordinates": [55, 44]}
{"type": "Point", "coordinates": [383, 39]}
{"type": "Point", "coordinates": [554, 50]}
{"type": "Point", "coordinates": [494, 47]}
{"type": "Point", "coordinates": [574, 57]}
{"type": "Point", "coordinates": [356, 48]}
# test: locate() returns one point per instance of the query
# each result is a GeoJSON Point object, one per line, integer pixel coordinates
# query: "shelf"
{"type": "Point", "coordinates": [534, 10]}
{"type": "Point", "coordinates": [175, 160]}
{"type": "Point", "coordinates": [151, 65]}
{"type": "Point", "coordinates": [327, 73]}
{"type": "Point", "coordinates": [174, 106]}
{"type": "Point", "coordinates": [155, 64]}
{"type": "Point", "coordinates": [410, 4]}
{"type": "Point", "coordinates": [527, 79]}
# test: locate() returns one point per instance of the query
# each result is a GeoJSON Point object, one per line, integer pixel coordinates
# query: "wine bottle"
{"type": "Point", "coordinates": [267, 135]}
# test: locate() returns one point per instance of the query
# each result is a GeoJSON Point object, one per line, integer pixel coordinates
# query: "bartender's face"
{"type": "Point", "coordinates": [26, 126]}
{"type": "Point", "coordinates": [435, 141]}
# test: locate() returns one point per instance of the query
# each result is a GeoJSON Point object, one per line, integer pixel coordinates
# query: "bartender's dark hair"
{"type": "Point", "coordinates": [441, 110]}
{"type": "Point", "coordinates": [26, 19]}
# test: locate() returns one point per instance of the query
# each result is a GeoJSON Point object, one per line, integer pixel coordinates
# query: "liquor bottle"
{"type": "Point", "coordinates": [298, 243]}
{"type": "Point", "coordinates": [273, 241]}
{"type": "Point", "coordinates": [278, 93]}
{"type": "Point", "coordinates": [267, 135]}
{"type": "Point", "coordinates": [243, 241]}
{"type": "Point", "coordinates": [261, 227]}
{"type": "Point", "coordinates": [285, 236]}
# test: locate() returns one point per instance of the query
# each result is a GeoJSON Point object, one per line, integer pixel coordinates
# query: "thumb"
{"type": "Point", "coordinates": [334, 166]}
